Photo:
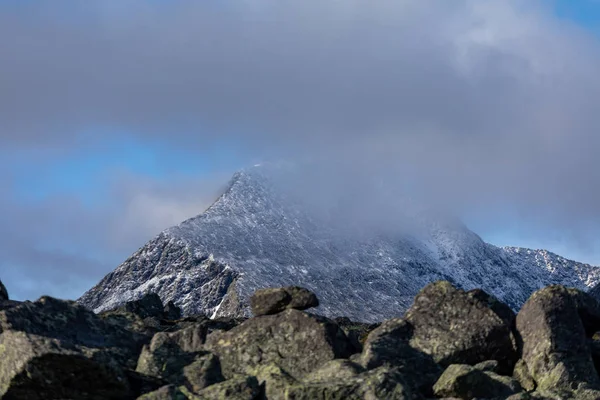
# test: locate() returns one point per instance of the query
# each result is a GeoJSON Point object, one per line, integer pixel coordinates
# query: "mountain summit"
{"type": "Point", "coordinates": [257, 235]}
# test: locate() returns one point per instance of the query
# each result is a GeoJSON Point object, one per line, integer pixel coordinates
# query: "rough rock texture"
{"type": "Point", "coordinates": [53, 349]}
{"type": "Point", "coordinates": [203, 372]}
{"type": "Point", "coordinates": [467, 382]}
{"type": "Point", "coordinates": [168, 353]}
{"type": "Point", "coordinates": [148, 306]}
{"type": "Point", "coordinates": [35, 367]}
{"type": "Point", "coordinates": [554, 325]}
{"type": "Point", "coordinates": [380, 383]}
{"type": "Point", "coordinates": [236, 388]}
{"type": "Point", "coordinates": [389, 345]}
{"type": "Point", "coordinates": [522, 375]}
{"type": "Point", "coordinates": [335, 369]}
{"type": "Point", "coordinates": [356, 332]}
{"type": "Point", "coordinates": [171, 311]}
{"type": "Point", "coordinates": [168, 392]}
{"type": "Point", "coordinates": [258, 235]}
{"type": "Point", "coordinates": [455, 327]}
{"type": "Point", "coordinates": [70, 323]}
{"type": "Point", "coordinates": [295, 341]}
{"type": "Point", "coordinates": [58, 349]}
{"type": "Point", "coordinates": [274, 300]}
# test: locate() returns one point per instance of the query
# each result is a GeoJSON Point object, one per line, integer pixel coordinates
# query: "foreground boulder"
{"type": "Point", "coordinates": [452, 344]}
{"type": "Point", "coordinates": [456, 327]}
{"type": "Point", "coordinates": [57, 349]}
{"type": "Point", "coordinates": [236, 388]}
{"type": "Point", "coordinates": [389, 345]}
{"type": "Point", "coordinates": [469, 382]}
{"type": "Point", "coordinates": [356, 332]}
{"type": "Point", "coordinates": [168, 353]}
{"type": "Point", "coordinates": [148, 306]}
{"type": "Point", "coordinates": [273, 300]}
{"type": "Point", "coordinates": [171, 311]}
{"type": "Point", "coordinates": [168, 392]}
{"type": "Point", "coordinates": [380, 383]}
{"type": "Point", "coordinates": [34, 367]}
{"type": "Point", "coordinates": [71, 324]}
{"type": "Point", "coordinates": [293, 340]}
{"type": "Point", "coordinates": [554, 325]}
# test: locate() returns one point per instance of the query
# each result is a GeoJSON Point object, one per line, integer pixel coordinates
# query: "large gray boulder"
{"type": "Point", "coordinates": [36, 367]}
{"type": "Point", "coordinates": [150, 305]}
{"type": "Point", "coordinates": [293, 340]}
{"type": "Point", "coordinates": [57, 349]}
{"type": "Point", "coordinates": [169, 352]}
{"type": "Point", "coordinates": [273, 300]}
{"type": "Point", "coordinates": [469, 382]}
{"type": "Point", "coordinates": [200, 374]}
{"type": "Point", "coordinates": [554, 325]}
{"type": "Point", "coordinates": [236, 388]}
{"type": "Point", "coordinates": [389, 345]}
{"type": "Point", "coordinates": [72, 325]}
{"type": "Point", "coordinates": [168, 392]}
{"type": "Point", "coordinates": [381, 383]}
{"type": "Point", "coordinates": [456, 327]}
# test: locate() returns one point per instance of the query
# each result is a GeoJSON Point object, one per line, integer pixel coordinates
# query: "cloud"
{"type": "Point", "coordinates": [484, 104]}
{"type": "Point", "coordinates": [62, 247]}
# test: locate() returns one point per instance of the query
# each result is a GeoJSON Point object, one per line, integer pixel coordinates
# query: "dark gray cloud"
{"type": "Point", "coordinates": [484, 104]}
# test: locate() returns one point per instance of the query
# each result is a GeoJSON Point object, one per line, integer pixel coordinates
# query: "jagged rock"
{"type": "Point", "coordinates": [269, 301]}
{"type": "Point", "coordinates": [168, 353]}
{"type": "Point", "coordinates": [148, 306]}
{"type": "Point", "coordinates": [3, 292]}
{"type": "Point", "coordinates": [522, 375]}
{"type": "Point", "coordinates": [522, 396]}
{"type": "Point", "coordinates": [380, 383]}
{"type": "Point", "coordinates": [578, 394]}
{"type": "Point", "coordinates": [203, 372]}
{"type": "Point", "coordinates": [554, 325]}
{"type": "Point", "coordinates": [467, 382]}
{"type": "Point", "coordinates": [34, 367]}
{"type": "Point", "coordinates": [457, 328]}
{"type": "Point", "coordinates": [501, 309]}
{"type": "Point", "coordinates": [489, 365]}
{"type": "Point", "coordinates": [171, 311]}
{"type": "Point", "coordinates": [293, 340]}
{"type": "Point", "coordinates": [273, 300]}
{"type": "Point", "coordinates": [146, 316]}
{"type": "Point", "coordinates": [73, 325]}
{"type": "Point", "coordinates": [356, 332]}
{"type": "Point", "coordinates": [211, 325]}
{"type": "Point", "coordinates": [140, 383]}
{"type": "Point", "coordinates": [168, 392]}
{"type": "Point", "coordinates": [389, 344]}
{"type": "Point", "coordinates": [236, 388]}
{"type": "Point", "coordinates": [335, 369]}
{"type": "Point", "coordinates": [274, 380]}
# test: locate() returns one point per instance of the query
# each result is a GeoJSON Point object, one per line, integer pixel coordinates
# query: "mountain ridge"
{"type": "Point", "coordinates": [255, 235]}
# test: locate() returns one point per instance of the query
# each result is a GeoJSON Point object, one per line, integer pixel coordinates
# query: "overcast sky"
{"type": "Point", "coordinates": [121, 118]}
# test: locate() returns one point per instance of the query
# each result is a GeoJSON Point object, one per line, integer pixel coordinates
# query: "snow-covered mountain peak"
{"type": "Point", "coordinates": [271, 228]}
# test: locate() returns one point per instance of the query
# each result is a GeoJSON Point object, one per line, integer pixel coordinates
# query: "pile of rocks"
{"type": "Point", "coordinates": [450, 344]}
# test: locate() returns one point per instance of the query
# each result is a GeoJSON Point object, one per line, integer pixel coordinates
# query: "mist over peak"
{"type": "Point", "coordinates": [265, 231]}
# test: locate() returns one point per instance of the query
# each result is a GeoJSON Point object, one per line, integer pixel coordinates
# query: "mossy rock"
{"type": "Point", "coordinates": [467, 382]}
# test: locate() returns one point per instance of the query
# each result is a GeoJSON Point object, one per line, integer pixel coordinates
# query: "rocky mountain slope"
{"type": "Point", "coordinates": [450, 344]}
{"type": "Point", "coordinates": [258, 235]}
